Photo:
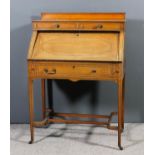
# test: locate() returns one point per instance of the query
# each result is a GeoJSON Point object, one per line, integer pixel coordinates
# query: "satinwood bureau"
{"type": "Point", "coordinates": [77, 46]}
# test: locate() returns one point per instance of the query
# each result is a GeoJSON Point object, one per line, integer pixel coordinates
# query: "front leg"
{"type": "Point", "coordinates": [123, 99]}
{"type": "Point", "coordinates": [31, 109]}
{"type": "Point", "coordinates": [120, 92]}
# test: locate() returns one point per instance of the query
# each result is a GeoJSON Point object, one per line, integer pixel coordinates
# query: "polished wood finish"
{"type": "Point", "coordinates": [31, 108]}
{"type": "Point", "coordinates": [63, 119]}
{"type": "Point", "coordinates": [77, 46]}
{"type": "Point", "coordinates": [120, 93]}
{"type": "Point", "coordinates": [83, 16]}
{"type": "Point", "coordinates": [123, 100]}
{"type": "Point", "coordinates": [50, 47]}
{"type": "Point", "coordinates": [78, 26]}
{"type": "Point", "coordinates": [75, 70]}
{"type": "Point", "coordinates": [80, 115]}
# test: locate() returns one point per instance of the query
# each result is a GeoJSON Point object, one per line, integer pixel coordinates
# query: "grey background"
{"type": "Point", "coordinates": [81, 97]}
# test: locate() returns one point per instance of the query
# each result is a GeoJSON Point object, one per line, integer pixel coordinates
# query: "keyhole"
{"type": "Point", "coordinates": [94, 71]}
{"type": "Point", "coordinates": [57, 25]}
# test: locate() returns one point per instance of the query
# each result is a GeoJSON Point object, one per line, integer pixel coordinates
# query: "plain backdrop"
{"type": "Point", "coordinates": [83, 96]}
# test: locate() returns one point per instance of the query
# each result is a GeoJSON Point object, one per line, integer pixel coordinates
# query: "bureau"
{"type": "Point", "coordinates": [77, 46]}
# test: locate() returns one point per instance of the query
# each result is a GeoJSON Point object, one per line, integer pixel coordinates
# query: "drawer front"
{"type": "Point", "coordinates": [73, 71]}
{"type": "Point", "coordinates": [99, 26]}
{"type": "Point", "coordinates": [91, 26]}
{"type": "Point", "coordinates": [55, 26]}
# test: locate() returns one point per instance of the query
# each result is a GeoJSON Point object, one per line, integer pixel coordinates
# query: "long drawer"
{"type": "Point", "coordinates": [74, 70]}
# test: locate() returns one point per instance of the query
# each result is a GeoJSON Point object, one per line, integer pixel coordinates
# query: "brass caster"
{"type": "Point", "coordinates": [120, 147]}
{"type": "Point", "coordinates": [31, 142]}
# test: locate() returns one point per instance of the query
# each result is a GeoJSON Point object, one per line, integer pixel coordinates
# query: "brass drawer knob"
{"type": "Point", "coordinates": [99, 26]}
{"type": "Point", "coordinates": [57, 26]}
{"type": "Point", "coordinates": [53, 71]}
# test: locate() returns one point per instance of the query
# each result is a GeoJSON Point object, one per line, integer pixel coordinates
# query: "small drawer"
{"type": "Point", "coordinates": [48, 25]}
{"type": "Point", "coordinates": [76, 70]}
{"type": "Point", "coordinates": [64, 26]}
{"type": "Point", "coordinates": [100, 26]}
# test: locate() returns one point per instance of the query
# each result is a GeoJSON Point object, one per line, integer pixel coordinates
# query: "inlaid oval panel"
{"type": "Point", "coordinates": [76, 46]}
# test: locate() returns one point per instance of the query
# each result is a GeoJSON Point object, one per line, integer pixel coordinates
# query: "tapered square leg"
{"type": "Point", "coordinates": [31, 109]}
{"type": "Point", "coordinates": [123, 100]}
{"type": "Point", "coordinates": [43, 95]}
{"type": "Point", "coordinates": [120, 93]}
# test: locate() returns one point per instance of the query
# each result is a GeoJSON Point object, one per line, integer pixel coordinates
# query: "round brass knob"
{"type": "Point", "coordinates": [57, 26]}
{"type": "Point", "coordinates": [99, 26]}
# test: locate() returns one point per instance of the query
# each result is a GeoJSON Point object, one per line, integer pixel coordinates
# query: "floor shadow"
{"type": "Point", "coordinates": [87, 132]}
{"type": "Point", "coordinates": [74, 91]}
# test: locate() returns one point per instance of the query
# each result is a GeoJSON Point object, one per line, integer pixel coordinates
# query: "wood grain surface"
{"type": "Point", "coordinates": [76, 46]}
